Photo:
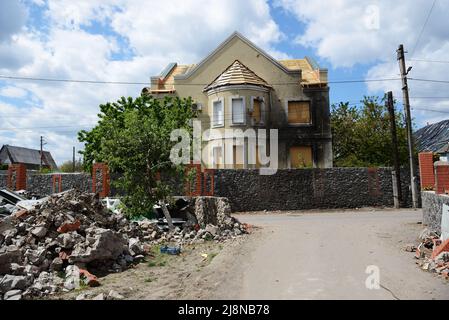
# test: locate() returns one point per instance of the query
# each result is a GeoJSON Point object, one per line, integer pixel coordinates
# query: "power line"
{"type": "Point", "coordinates": [184, 84]}
{"type": "Point", "coordinates": [423, 27]}
{"type": "Point", "coordinates": [429, 80]}
{"type": "Point", "coordinates": [430, 110]}
{"type": "Point", "coordinates": [432, 61]}
{"type": "Point", "coordinates": [71, 80]}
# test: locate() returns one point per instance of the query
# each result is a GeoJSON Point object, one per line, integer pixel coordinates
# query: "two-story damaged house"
{"type": "Point", "coordinates": [239, 86]}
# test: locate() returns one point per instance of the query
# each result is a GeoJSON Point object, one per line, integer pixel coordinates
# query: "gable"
{"type": "Point", "coordinates": [237, 47]}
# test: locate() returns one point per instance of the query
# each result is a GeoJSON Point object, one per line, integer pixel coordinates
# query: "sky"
{"type": "Point", "coordinates": [132, 40]}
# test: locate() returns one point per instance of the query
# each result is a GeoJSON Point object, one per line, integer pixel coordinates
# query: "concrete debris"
{"type": "Point", "coordinates": [114, 295]}
{"type": "Point", "coordinates": [13, 295]}
{"type": "Point", "coordinates": [60, 242]}
{"type": "Point", "coordinates": [432, 254]}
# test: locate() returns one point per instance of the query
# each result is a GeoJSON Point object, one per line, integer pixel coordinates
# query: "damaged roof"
{"type": "Point", "coordinates": [432, 137]}
{"type": "Point", "coordinates": [236, 74]}
{"type": "Point", "coordinates": [28, 156]}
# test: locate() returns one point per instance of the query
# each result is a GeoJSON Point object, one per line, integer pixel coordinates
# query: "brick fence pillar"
{"type": "Point", "coordinates": [57, 183]}
{"type": "Point", "coordinates": [100, 179]}
{"type": "Point", "coordinates": [17, 177]}
{"type": "Point", "coordinates": [442, 177]}
{"type": "Point", "coordinates": [426, 170]}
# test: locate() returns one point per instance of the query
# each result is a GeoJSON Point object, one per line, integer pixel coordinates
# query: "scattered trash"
{"type": "Point", "coordinates": [10, 197]}
{"type": "Point", "coordinates": [171, 250]}
{"type": "Point", "coordinates": [204, 255]}
{"type": "Point", "coordinates": [433, 254]}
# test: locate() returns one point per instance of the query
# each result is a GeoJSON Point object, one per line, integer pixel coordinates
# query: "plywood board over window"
{"type": "Point", "coordinates": [299, 112]}
{"type": "Point", "coordinates": [301, 157]}
{"type": "Point", "coordinates": [257, 110]}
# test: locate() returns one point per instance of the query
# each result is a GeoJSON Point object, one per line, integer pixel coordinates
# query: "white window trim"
{"type": "Point", "coordinates": [232, 111]}
{"type": "Point", "coordinates": [262, 111]}
{"type": "Point", "coordinates": [310, 112]}
{"type": "Point", "coordinates": [213, 124]}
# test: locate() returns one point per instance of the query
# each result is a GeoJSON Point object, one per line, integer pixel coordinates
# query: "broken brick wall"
{"type": "Point", "coordinates": [295, 189]}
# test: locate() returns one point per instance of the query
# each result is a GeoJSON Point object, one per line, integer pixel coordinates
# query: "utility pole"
{"type": "Point", "coordinates": [406, 102]}
{"type": "Point", "coordinates": [397, 190]}
{"type": "Point", "coordinates": [73, 159]}
{"type": "Point", "coordinates": [42, 153]}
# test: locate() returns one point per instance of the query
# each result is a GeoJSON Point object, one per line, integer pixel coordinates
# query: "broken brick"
{"type": "Point", "coordinates": [21, 214]}
{"type": "Point", "coordinates": [441, 248]}
{"type": "Point", "coordinates": [67, 227]}
{"type": "Point", "coordinates": [92, 281]}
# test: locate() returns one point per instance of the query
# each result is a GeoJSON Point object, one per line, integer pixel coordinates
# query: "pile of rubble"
{"type": "Point", "coordinates": [50, 247]}
{"type": "Point", "coordinates": [432, 253]}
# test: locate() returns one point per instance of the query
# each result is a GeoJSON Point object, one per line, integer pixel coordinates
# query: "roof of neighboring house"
{"type": "Point", "coordinates": [432, 137]}
{"type": "Point", "coordinates": [443, 149]}
{"type": "Point", "coordinates": [29, 156]}
{"type": "Point", "coordinates": [236, 74]}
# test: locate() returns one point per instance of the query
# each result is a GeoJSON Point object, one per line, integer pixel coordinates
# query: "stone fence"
{"type": "Point", "coordinates": [247, 190]}
{"type": "Point", "coordinates": [293, 189]}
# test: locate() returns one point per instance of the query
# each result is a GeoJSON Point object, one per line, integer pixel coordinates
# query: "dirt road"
{"type": "Point", "coordinates": [294, 255]}
{"type": "Point", "coordinates": [324, 255]}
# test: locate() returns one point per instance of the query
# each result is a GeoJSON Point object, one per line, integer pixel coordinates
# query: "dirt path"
{"type": "Point", "coordinates": [294, 255]}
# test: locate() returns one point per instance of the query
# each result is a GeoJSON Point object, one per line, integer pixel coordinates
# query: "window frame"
{"type": "Point", "coordinates": [222, 122]}
{"type": "Point", "coordinates": [231, 107]}
{"type": "Point", "coordinates": [310, 123]}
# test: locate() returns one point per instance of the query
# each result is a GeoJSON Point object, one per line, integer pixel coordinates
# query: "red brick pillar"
{"type": "Point", "coordinates": [17, 177]}
{"type": "Point", "coordinates": [442, 177]}
{"type": "Point", "coordinates": [426, 170]}
{"type": "Point", "coordinates": [57, 183]}
{"type": "Point", "coordinates": [100, 179]}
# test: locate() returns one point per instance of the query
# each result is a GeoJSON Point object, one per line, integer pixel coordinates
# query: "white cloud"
{"type": "Point", "coordinates": [156, 32]}
{"type": "Point", "coordinates": [12, 92]}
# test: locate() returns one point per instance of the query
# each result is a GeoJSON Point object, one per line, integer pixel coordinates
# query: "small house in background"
{"type": "Point", "coordinates": [31, 158]}
{"type": "Point", "coordinates": [443, 152]}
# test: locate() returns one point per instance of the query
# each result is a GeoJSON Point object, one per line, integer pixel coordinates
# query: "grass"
{"type": "Point", "coordinates": [158, 259]}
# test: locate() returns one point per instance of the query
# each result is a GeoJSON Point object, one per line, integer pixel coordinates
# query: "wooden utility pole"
{"type": "Point", "coordinates": [406, 102]}
{"type": "Point", "coordinates": [395, 151]}
{"type": "Point", "coordinates": [41, 155]}
{"type": "Point", "coordinates": [73, 159]}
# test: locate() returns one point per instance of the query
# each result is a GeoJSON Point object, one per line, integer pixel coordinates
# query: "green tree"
{"type": "Point", "coordinates": [361, 135]}
{"type": "Point", "coordinates": [133, 137]}
{"type": "Point", "coordinates": [67, 166]}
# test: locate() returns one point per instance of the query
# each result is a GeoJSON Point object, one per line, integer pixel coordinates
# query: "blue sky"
{"type": "Point", "coordinates": [131, 40]}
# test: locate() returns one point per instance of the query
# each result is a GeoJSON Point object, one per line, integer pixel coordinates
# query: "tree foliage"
{"type": "Point", "coordinates": [67, 166]}
{"type": "Point", "coordinates": [133, 137]}
{"type": "Point", "coordinates": [361, 135]}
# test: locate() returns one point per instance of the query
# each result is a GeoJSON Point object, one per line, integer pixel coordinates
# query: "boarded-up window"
{"type": "Point", "coordinates": [238, 110]}
{"type": "Point", "coordinates": [257, 110]}
{"type": "Point", "coordinates": [301, 157]}
{"type": "Point", "coordinates": [238, 157]}
{"type": "Point", "coordinates": [299, 112]}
